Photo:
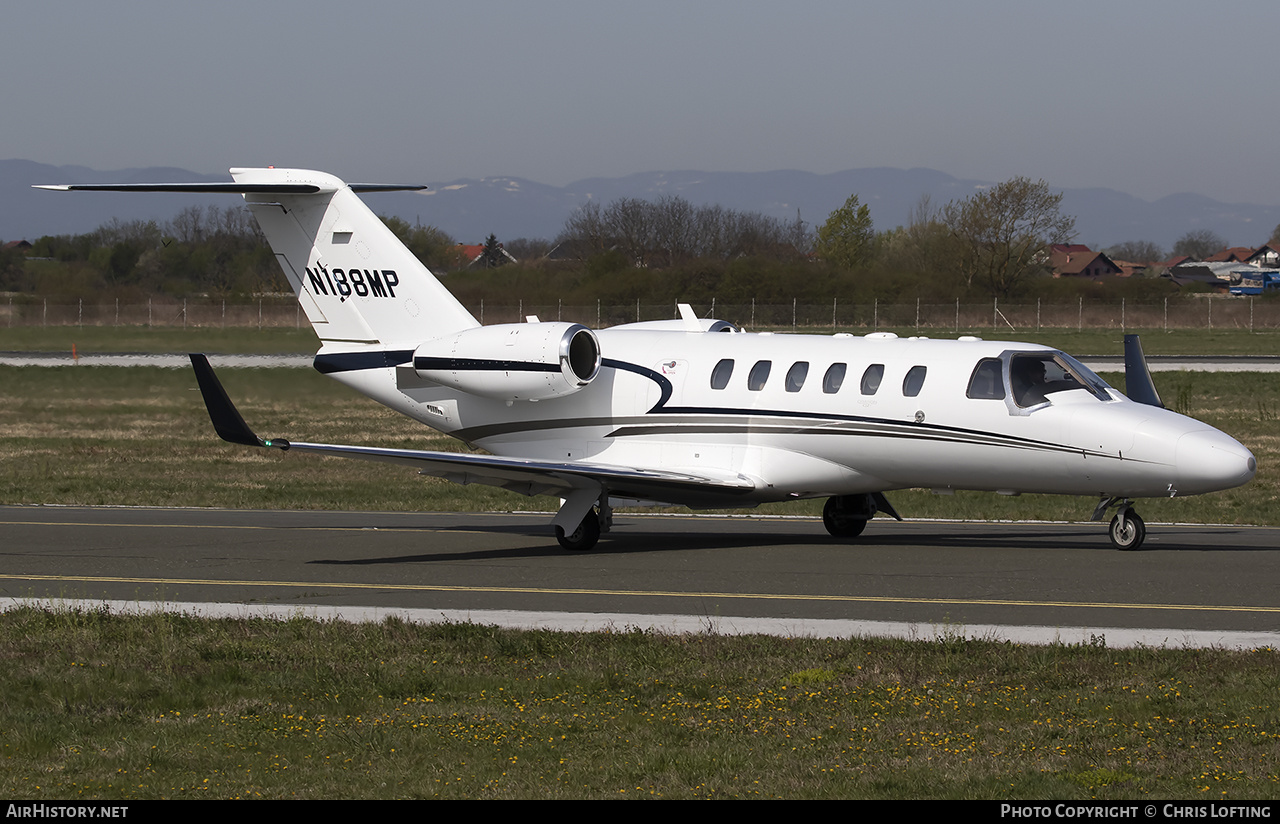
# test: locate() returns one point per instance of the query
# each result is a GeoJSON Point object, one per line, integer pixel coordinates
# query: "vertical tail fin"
{"type": "Point", "coordinates": [355, 280]}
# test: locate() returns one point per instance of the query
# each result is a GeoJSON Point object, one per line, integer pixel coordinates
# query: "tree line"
{"type": "Point", "coordinates": [993, 243]}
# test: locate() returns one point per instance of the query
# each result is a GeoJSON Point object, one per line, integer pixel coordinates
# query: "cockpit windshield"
{"type": "Point", "coordinates": [1036, 375]}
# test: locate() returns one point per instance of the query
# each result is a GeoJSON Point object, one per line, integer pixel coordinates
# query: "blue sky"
{"type": "Point", "coordinates": [1151, 98]}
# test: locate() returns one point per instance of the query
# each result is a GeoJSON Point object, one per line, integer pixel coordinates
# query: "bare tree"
{"type": "Point", "coordinates": [1004, 232]}
{"type": "Point", "coordinates": [1136, 251]}
{"type": "Point", "coordinates": [1199, 244]}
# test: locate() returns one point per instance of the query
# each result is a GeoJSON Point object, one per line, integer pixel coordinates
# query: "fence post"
{"type": "Point", "coordinates": [753, 313]}
{"type": "Point", "coordinates": [833, 315]}
{"type": "Point", "coordinates": [117, 323]}
{"type": "Point", "coordinates": [148, 313]}
{"type": "Point", "coordinates": [80, 313]}
{"type": "Point", "coordinates": [1166, 314]}
{"type": "Point", "coordinates": [957, 316]}
{"type": "Point", "coordinates": [259, 314]}
{"type": "Point", "coordinates": [995, 311]}
{"type": "Point", "coordinates": [917, 317]}
{"type": "Point", "coordinates": [1122, 328]}
{"type": "Point", "coordinates": [793, 314]}
{"type": "Point", "coordinates": [184, 313]}
{"type": "Point", "coordinates": [1210, 302]}
{"type": "Point", "coordinates": [875, 315]}
{"type": "Point", "coordinates": [1250, 316]}
{"type": "Point", "coordinates": [1037, 316]}
{"type": "Point", "coordinates": [1080, 316]}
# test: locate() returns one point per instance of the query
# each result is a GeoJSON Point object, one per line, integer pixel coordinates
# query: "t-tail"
{"type": "Point", "coordinates": [359, 285]}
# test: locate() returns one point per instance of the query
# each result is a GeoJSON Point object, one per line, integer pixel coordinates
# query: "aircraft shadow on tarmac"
{"type": "Point", "coordinates": [637, 538]}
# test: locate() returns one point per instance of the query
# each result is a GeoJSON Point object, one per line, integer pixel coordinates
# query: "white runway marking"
{"type": "Point", "coordinates": [1112, 637]}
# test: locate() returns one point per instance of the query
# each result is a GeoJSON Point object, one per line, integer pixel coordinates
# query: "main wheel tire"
{"type": "Point", "coordinates": [1129, 533]}
{"type": "Point", "coordinates": [584, 537]}
{"type": "Point", "coordinates": [839, 522]}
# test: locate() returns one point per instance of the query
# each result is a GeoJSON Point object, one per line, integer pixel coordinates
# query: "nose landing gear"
{"type": "Point", "coordinates": [1128, 530]}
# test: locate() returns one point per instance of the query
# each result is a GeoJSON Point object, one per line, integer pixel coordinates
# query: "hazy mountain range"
{"type": "Point", "coordinates": [471, 209]}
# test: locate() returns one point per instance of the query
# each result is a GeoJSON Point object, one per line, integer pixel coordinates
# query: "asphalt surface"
{"type": "Point", "coordinates": [1189, 585]}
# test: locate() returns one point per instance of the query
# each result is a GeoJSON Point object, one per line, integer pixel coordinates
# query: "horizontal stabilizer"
{"type": "Point", "coordinates": [228, 188]}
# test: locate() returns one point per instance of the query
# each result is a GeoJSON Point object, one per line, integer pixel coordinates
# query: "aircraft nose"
{"type": "Point", "coordinates": [1209, 460]}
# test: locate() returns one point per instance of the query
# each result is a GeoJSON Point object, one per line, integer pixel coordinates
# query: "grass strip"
{"type": "Point", "coordinates": [106, 706]}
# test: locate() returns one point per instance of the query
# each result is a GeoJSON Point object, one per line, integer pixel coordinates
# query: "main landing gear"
{"type": "Point", "coordinates": [584, 537]}
{"type": "Point", "coordinates": [1128, 530]}
{"type": "Point", "coordinates": [597, 519]}
{"type": "Point", "coordinates": [845, 516]}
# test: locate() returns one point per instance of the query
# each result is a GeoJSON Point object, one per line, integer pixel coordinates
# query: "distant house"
{"type": "Point", "coordinates": [1076, 260]}
{"type": "Point", "coordinates": [1266, 255]}
{"type": "Point", "coordinates": [18, 245]}
{"type": "Point", "coordinates": [1216, 276]}
{"type": "Point", "coordinates": [1232, 254]}
{"type": "Point", "coordinates": [468, 256]}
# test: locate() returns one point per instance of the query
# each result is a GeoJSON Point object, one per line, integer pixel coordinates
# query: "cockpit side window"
{"type": "Point", "coordinates": [987, 381]}
{"type": "Point", "coordinates": [1037, 375]}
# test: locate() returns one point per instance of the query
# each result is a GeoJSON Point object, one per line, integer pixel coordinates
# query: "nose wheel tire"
{"type": "Point", "coordinates": [584, 537]}
{"type": "Point", "coordinates": [1128, 530]}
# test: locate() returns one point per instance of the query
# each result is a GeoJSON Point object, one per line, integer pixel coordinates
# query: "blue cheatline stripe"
{"type": "Point", "coordinates": [354, 361]}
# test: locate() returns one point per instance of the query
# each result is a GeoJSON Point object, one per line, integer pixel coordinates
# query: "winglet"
{"type": "Point", "coordinates": [1138, 384]}
{"type": "Point", "coordinates": [226, 418]}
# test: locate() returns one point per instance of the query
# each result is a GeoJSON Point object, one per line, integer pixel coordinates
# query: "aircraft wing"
{"type": "Point", "coordinates": [526, 476]}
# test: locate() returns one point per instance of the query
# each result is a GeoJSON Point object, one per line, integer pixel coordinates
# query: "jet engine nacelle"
{"type": "Point", "coordinates": [513, 361]}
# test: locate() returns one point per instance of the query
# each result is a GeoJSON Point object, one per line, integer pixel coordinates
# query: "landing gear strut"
{"type": "Point", "coordinates": [1128, 530]}
{"type": "Point", "coordinates": [845, 516]}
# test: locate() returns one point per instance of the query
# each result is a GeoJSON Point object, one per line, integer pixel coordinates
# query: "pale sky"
{"type": "Point", "coordinates": [1150, 98]}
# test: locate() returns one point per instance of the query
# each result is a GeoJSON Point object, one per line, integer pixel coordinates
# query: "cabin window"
{"type": "Point", "coordinates": [913, 382]}
{"type": "Point", "coordinates": [987, 382]}
{"type": "Point", "coordinates": [796, 375]}
{"type": "Point", "coordinates": [834, 379]}
{"type": "Point", "coordinates": [758, 375]}
{"type": "Point", "coordinates": [721, 374]}
{"type": "Point", "coordinates": [871, 378]}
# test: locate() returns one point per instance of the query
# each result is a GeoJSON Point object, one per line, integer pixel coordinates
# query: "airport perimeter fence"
{"type": "Point", "coordinates": [929, 318]}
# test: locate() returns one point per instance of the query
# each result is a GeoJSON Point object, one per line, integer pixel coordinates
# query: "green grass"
{"type": "Point", "coordinates": [95, 705]}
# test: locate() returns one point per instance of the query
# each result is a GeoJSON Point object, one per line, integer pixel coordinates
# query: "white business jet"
{"type": "Point", "coordinates": [694, 411]}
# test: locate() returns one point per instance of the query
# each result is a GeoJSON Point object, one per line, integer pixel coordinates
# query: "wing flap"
{"type": "Point", "coordinates": [524, 475]}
